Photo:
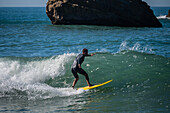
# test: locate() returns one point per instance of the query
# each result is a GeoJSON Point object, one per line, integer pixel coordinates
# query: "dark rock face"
{"type": "Point", "coordinates": [168, 14]}
{"type": "Point", "coordinates": [125, 13]}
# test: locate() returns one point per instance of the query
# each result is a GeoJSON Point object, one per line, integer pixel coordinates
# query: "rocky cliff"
{"type": "Point", "coordinates": [125, 13]}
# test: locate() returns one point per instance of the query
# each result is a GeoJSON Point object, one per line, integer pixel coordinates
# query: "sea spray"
{"type": "Point", "coordinates": [32, 71]}
{"type": "Point", "coordinates": [124, 46]}
{"type": "Point", "coordinates": [28, 74]}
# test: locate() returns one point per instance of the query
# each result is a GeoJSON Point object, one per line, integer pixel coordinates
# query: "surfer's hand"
{"type": "Point", "coordinates": [93, 54]}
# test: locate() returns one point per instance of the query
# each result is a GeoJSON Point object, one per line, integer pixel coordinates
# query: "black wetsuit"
{"type": "Point", "coordinates": [75, 68]}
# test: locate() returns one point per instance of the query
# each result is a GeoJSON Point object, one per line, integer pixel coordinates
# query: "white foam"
{"type": "Point", "coordinates": [28, 76]}
{"type": "Point", "coordinates": [135, 47]}
{"type": "Point", "coordinates": [33, 71]}
{"type": "Point", "coordinates": [162, 17]}
{"type": "Point", "coordinates": [44, 91]}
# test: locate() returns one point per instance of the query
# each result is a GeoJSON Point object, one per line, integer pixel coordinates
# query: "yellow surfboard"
{"type": "Point", "coordinates": [87, 87]}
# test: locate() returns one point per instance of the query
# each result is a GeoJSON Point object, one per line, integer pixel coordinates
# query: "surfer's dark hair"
{"type": "Point", "coordinates": [85, 50]}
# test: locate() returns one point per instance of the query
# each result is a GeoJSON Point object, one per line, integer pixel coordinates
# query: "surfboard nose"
{"type": "Point", "coordinates": [87, 87]}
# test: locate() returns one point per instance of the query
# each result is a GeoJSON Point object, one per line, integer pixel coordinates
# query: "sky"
{"type": "Point", "coordinates": [42, 3]}
{"type": "Point", "coordinates": [162, 3]}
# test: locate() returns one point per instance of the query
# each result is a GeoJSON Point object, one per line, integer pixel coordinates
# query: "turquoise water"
{"type": "Point", "coordinates": [36, 56]}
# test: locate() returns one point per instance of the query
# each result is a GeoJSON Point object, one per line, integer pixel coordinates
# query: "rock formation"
{"type": "Point", "coordinates": [168, 14]}
{"type": "Point", "coordinates": [125, 13]}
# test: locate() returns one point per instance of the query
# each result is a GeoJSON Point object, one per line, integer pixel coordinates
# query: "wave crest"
{"type": "Point", "coordinates": [26, 75]}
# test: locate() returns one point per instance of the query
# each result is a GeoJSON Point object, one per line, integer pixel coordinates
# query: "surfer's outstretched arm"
{"type": "Point", "coordinates": [90, 55]}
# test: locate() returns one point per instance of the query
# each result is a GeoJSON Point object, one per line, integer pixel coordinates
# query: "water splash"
{"type": "Point", "coordinates": [28, 76]}
{"type": "Point", "coordinates": [136, 47]}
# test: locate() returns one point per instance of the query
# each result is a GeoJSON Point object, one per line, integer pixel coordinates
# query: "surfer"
{"type": "Point", "coordinates": [76, 67]}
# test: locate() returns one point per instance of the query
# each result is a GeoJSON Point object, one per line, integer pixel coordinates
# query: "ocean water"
{"type": "Point", "coordinates": [36, 56]}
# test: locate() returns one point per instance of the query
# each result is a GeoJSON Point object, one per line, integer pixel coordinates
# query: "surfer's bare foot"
{"type": "Point", "coordinates": [73, 87]}
{"type": "Point", "coordinates": [90, 85]}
